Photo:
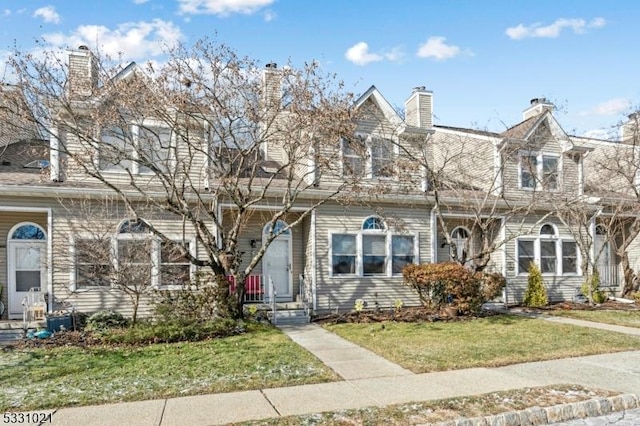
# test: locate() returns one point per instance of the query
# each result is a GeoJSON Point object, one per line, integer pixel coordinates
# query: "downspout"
{"type": "Point", "coordinates": [50, 259]}
{"type": "Point", "coordinates": [592, 232]}
{"type": "Point", "coordinates": [503, 236]}
{"type": "Point", "coordinates": [54, 154]}
{"type": "Point", "coordinates": [434, 232]}
{"type": "Point", "coordinates": [314, 263]}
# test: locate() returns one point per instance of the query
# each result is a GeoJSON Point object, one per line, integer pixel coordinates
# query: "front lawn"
{"type": "Point", "coordinates": [488, 342]}
{"type": "Point", "coordinates": [47, 378]}
{"type": "Point", "coordinates": [624, 318]}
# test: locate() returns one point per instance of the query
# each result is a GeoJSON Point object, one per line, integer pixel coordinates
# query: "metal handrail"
{"type": "Point", "coordinates": [274, 295]}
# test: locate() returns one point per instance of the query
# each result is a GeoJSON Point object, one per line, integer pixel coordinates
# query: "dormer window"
{"type": "Point", "coordinates": [539, 171]}
{"type": "Point", "coordinates": [353, 157]}
{"type": "Point", "coordinates": [136, 147]}
{"type": "Point", "coordinates": [370, 157]}
{"type": "Point", "coordinates": [381, 157]}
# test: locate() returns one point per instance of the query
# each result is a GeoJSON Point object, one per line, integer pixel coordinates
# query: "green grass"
{"type": "Point", "coordinates": [47, 378]}
{"type": "Point", "coordinates": [624, 318]}
{"type": "Point", "coordinates": [488, 342]}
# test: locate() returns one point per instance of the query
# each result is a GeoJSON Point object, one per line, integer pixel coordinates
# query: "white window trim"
{"type": "Point", "coordinates": [539, 170]}
{"type": "Point", "coordinates": [134, 129]}
{"type": "Point", "coordinates": [114, 239]}
{"type": "Point", "coordinates": [359, 252]}
{"type": "Point", "coordinates": [558, 239]}
{"type": "Point", "coordinates": [368, 159]}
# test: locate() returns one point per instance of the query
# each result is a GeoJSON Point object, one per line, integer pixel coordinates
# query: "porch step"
{"type": "Point", "coordinates": [289, 317]}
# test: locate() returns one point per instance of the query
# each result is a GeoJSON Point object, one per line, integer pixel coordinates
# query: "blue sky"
{"type": "Point", "coordinates": [484, 60]}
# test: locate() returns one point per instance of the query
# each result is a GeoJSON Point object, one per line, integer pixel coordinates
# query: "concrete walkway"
{"type": "Point", "coordinates": [369, 381]}
{"type": "Point", "coordinates": [347, 359]}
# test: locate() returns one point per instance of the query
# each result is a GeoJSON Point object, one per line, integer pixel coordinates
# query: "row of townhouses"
{"type": "Point", "coordinates": [393, 189]}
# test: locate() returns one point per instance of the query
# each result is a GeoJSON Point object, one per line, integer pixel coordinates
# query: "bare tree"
{"type": "Point", "coordinates": [202, 136]}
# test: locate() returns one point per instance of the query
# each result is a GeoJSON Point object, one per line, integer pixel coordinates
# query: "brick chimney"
{"type": "Point", "coordinates": [537, 107]}
{"type": "Point", "coordinates": [419, 108]}
{"type": "Point", "coordinates": [83, 73]}
{"type": "Point", "coordinates": [271, 86]}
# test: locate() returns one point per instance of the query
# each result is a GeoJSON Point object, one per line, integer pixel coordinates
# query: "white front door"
{"type": "Point", "coordinates": [276, 268]}
{"type": "Point", "coordinates": [25, 271]}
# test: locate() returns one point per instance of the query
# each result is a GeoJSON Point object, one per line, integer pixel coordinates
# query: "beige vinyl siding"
{"type": "Point", "coordinates": [559, 287]}
{"type": "Point", "coordinates": [78, 220]}
{"type": "Point", "coordinates": [7, 221]}
{"type": "Point", "coordinates": [189, 160]}
{"type": "Point", "coordinates": [341, 292]}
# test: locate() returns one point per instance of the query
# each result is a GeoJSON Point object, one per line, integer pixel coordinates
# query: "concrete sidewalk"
{"type": "Point", "coordinates": [370, 381]}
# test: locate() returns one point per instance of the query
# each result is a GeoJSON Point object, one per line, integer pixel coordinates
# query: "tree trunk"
{"type": "Point", "coordinates": [629, 275]}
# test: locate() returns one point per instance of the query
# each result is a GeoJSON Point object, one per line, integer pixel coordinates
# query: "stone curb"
{"type": "Point", "coordinates": [554, 414]}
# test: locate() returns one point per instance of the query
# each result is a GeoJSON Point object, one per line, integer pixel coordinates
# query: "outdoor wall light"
{"type": "Point", "coordinates": [253, 242]}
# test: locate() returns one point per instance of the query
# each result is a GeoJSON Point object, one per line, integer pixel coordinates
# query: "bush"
{"type": "Point", "coordinates": [636, 297]}
{"type": "Point", "coordinates": [198, 302]}
{"type": "Point", "coordinates": [105, 320]}
{"type": "Point", "coordinates": [438, 284]}
{"type": "Point", "coordinates": [536, 294]}
{"type": "Point", "coordinates": [591, 289]}
{"type": "Point", "coordinates": [147, 332]}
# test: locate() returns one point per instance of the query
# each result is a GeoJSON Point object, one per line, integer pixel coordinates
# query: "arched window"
{"type": "Point", "coordinates": [28, 231]}
{"type": "Point", "coordinates": [277, 228]}
{"type": "Point", "coordinates": [548, 229]}
{"type": "Point", "coordinates": [373, 223]}
{"type": "Point", "coordinates": [461, 238]}
{"type": "Point", "coordinates": [133, 227]}
{"type": "Point", "coordinates": [548, 249]}
{"type": "Point", "coordinates": [601, 230]}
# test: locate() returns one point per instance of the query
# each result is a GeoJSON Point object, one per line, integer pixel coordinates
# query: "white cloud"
{"type": "Point", "coordinates": [222, 7]}
{"type": "Point", "coordinates": [6, 12]}
{"type": "Point", "coordinates": [438, 49]}
{"type": "Point", "coordinates": [614, 106]}
{"type": "Point", "coordinates": [359, 54]}
{"type": "Point", "coordinates": [140, 1]}
{"type": "Point", "coordinates": [48, 14]}
{"type": "Point", "coordinates": [536, 30]}
{"type": "Point", "coordinates": [134, 40]}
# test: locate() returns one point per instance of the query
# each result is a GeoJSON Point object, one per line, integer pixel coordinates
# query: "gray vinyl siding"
{"type": "Point", "coordinates": [559, 287]}
{"type": "Point", "coordinates": [341, 292]}
{"type": "Point", "coordinates": [541, 142]}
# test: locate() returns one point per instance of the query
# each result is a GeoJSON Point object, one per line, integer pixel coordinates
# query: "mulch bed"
{"type": "Point", "coordinates": [65, 338]}
{"type": "Point", "coordinates": [415, 314]}
{"type": "Point", "coordinates": [421, 314]}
